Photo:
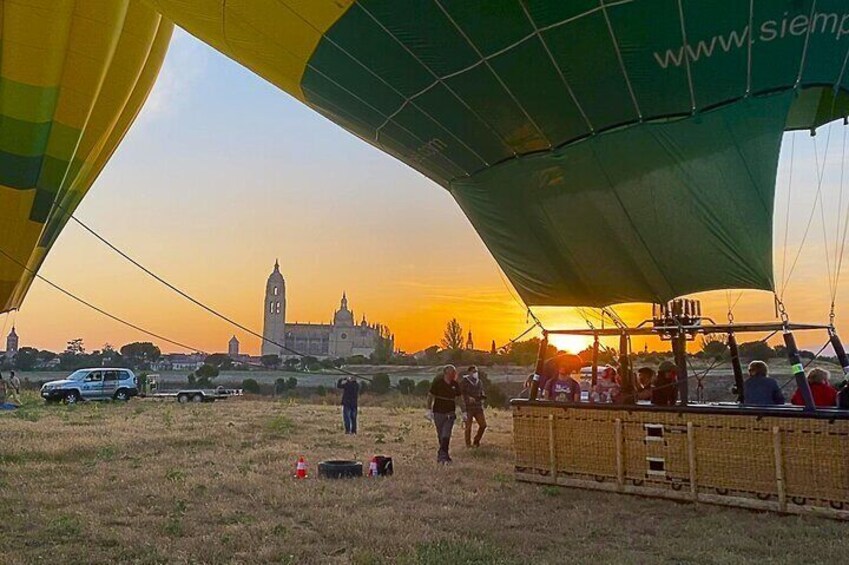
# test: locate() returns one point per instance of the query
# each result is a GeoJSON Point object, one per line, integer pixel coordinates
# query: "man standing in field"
{"type": "Point", "coordinates": [441, 409]}
{"type": "Point", "coordinates": [15, 387]}
{"type": "Point", "coordinates": [350, 398]}
{"type": "Point", "coordinates": [471, 388]}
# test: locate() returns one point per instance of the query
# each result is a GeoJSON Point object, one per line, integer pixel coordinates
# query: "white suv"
{"type": "Point", "coordinates": [92, 384]}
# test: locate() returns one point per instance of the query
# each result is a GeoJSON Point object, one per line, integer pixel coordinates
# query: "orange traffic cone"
{"type": "Point", "coordinates": [301, 468]}
{"type": "Point", "coordinates": [372, 467]}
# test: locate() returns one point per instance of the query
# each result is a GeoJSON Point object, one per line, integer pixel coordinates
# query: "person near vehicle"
{"type": "Point", "coordinates": [350, 398]}
{"type": "Point", "coordinates": [473, 394]}
{"type": "Point", "coordinates": [14, 387]}
{"type": "Point", "coordinates": [442, 409]}
{"type": "Point", "coordinates": [825, 395]}
{"type": "Point", "coordinates": [664, 391]}
{"type": "Point", "coordinates": [645, 376]}
{"type": "Point", "coordinates": [564, 387]}
{"type": "Point", "coordinates": [760, 389]}
{"type": "Point", "coordinates": [2, 389]}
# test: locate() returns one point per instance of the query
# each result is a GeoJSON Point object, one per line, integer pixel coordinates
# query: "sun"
{"type": "Point", "coordinates": [570, 343]}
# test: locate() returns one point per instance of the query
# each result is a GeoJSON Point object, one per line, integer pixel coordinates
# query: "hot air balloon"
{"type": "Point", "coordinates": [606, 151]}
{"type": "Point", "coordinates": [74, 75]}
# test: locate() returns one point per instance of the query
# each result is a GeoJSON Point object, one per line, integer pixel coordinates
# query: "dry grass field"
{"type": "Point", "coordinates": [157, 482]}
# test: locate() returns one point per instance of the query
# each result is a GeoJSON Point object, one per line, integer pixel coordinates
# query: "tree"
{"type": "Point", "coordinates": [384, 345]}
{"type": "Point", "coordinates": [406, 386]}
{"type": "Point", "coordinates": [26, 358]}
{"type": "Point", "coordinates": [310, 363]}
{"type": "Point", "coordinates": [251, 386]}
{"type": "Point", "coordinates": [495, 397]}
{"type": "Point", "coordinates": [206, 371]}
{"type": "Point", "coordinates": [292, 364]}
{"type": "Point", "coordinates": [713, 347]}
{"type": "Point", "coordinates": [291, 383]}
{"type": "Point", "coordinates": [75, 347]}
{"type": "Point", "coordinates": [140, 354]}
{"type": "Point", "coordinates": [422, 387]}
{"type": "Point", "coordinates": [380, 383]}
{"type": "Point", "coordinates": [452, 337]}
{"type": "Point", "coordinates": [280, 386]}
{"type": "Point", "coordinates": [756, 350]}
{"type": "Point", "coordinates": [270, 361]}
{"type": "Point", "coordinates": [321, 390]}
{"type": "Point", "coordinates": [492, 350]}
{"type": "Point", "coordinates": [220, 360]}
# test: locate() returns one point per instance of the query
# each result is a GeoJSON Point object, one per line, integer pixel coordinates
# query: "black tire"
{"type": "Point", "coordinates": [182, 398]}
{"type": "Point", "coordinates": [72, 397]}
{"type": "Point", "coordinates": [122, 395]}
{"type": "Point", "coordinates": [340, 469]}
{"type": "Point", "coordinates": [198, 397]}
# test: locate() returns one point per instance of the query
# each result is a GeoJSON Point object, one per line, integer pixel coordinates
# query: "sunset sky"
{"type": "Point", "coordinates": [223, 173]}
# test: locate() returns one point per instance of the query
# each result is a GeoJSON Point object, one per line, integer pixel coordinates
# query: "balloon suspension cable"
{"type": "Point", "coordinates": [817, 204]}
{"type": "Point", "coordinates": [531, 316]}
{"type": "Point", "coordinates": [781, 310]}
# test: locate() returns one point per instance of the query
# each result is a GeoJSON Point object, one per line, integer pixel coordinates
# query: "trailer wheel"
{"type": "Point", "coordinates": [198, 397]}
{"type": "Point", "coordinates": [182, 398]}
{"type": "Point", "coordinates": [335, 469]}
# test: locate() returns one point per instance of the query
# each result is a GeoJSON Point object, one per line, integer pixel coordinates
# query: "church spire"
{"type": "Point", "coordinates": [344, 300]}
{"type": "Point", "coordinates": [276, 266]}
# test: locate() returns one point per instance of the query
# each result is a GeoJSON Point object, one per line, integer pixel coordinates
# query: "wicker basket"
{"type": "Point", "coordinates": [784, 463]}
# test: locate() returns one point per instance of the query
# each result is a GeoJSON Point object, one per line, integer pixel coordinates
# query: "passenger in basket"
{"type": "Point", "coordinates": [607, 388]}
{"type": "Point", "coordinates": [825, 395]}
{"type": "Point", "coordinates": [664, 390]}
{"type": "Point", "coordinates": [645, 376]}
{"type": "Point", "coordinates": [564, 387]}
{"type": "Point", "coordinates": [760, 389]}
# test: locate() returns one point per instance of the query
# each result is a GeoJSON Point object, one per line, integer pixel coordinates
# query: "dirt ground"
{"type": "Point", "coordinates": [157, 482]}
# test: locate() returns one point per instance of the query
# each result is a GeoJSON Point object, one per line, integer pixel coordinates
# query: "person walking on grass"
{"type": "Point", "coordinates": [350, 398]}
{"type": "Point", "coordinates": [15, 387]}
{"type": "Point", "coordinates": [442, 409]}
{"type": "Point", "coordinates": [471, 389]}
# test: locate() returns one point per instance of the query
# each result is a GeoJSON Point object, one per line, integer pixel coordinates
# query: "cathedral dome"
{"type": "Point", "coordinates": [343, 316]}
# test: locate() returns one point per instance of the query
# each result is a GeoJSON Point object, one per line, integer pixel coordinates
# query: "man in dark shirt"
{"type": "Point", "coordinates": [441, 409]}
{"type": "Point", "coordinates": [471, 388]}
{"type": "Point", "coordinates": [350, 393]}
{"type": "Point", "coordinates": [760, 389]}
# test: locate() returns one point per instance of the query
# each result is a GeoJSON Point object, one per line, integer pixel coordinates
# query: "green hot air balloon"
{"type": "Point", "coordinates": [605, 150]}
{"type": "Point", "coordinates": [74, 75]}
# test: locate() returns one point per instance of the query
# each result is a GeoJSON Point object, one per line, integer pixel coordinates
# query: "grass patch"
{"type": "Point", "coordinates": [65, 526]}
{"type": "Point", "coordinates": [280, 426]}
{"type": "Point", "coordinates": [468, 552]}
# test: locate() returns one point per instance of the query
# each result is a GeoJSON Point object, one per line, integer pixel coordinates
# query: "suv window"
{"type": "Point", "coordinates": [110, 375]}
{"type": "Point", "coordinates": [123, 375]}
{"type": "Point", "coordinates": [95, 376]}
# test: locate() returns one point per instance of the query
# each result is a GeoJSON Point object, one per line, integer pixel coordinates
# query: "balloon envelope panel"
{"type": "Point", "coordinates": [74, 75]}
{"type": "Point", "coordinates": [605, 151]}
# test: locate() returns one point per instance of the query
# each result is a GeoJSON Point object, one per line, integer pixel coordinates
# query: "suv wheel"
{"type": "Point", "coordinates": [123, 395]}
{"type": "Point", "coordinates": [72, 397]}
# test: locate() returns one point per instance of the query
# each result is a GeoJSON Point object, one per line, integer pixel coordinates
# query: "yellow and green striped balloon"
{"type": "Point", "coordinates": [73, 76]}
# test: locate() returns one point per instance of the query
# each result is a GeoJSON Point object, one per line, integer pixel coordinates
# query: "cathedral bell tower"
{"type": "Point", "coordinates": [274, 317]}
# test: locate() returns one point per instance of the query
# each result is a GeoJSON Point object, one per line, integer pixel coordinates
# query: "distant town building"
{"type": "Point", "coordinates": [340, 338]}
{"type": "Point", "coordinates": [12, 344]}
{"type": "Point", "coordinates": [233, 348]}
{"type": "Point", "coordinates": [470, 343]}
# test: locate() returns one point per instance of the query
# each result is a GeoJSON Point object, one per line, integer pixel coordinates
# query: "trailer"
{"type": "Point", "coordinates": [185, 395]}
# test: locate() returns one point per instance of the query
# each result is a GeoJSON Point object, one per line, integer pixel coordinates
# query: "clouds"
{"type": "Point", "coordinates": [185, 64]}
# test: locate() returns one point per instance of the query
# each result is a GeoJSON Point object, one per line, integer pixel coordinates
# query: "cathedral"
{"type": "Point", "coordinates": [340, 338]}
